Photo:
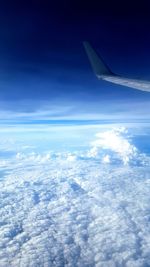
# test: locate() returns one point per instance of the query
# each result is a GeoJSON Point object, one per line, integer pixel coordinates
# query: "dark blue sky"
{"type": "Point", "coordinates": [43, 64]}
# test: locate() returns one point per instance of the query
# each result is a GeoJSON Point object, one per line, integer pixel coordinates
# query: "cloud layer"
{"type": "Point", "coordinates": [72, 209]}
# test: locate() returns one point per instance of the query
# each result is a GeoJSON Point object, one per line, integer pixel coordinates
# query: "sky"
{"type": "Point", "coordinates": [45, 74]}
{"type": "Point", "coordinates": [74, 151]}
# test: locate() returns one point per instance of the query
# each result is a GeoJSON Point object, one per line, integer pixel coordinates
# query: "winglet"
{"type": "Point", "coordinates": [97, 63]}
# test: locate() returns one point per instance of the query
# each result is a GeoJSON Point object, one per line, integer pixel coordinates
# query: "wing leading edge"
{"type": "Point", "coordinates": [103, 72]}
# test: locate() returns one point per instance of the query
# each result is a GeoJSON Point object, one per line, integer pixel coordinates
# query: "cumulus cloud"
{"type": "Point", "coordinates": [68, 209]}
{"type": "Point", "coordinates": [116, 141]}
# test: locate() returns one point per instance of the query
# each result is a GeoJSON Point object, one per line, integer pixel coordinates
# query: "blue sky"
{"type": "Point", "coordinates": [45, 74]}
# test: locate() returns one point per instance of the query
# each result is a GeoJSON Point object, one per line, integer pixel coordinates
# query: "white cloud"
{"type": "Point", "coordinates": [106, 159]}
{"type": "Point", "coordinates": [67, 209]}
{"type": "Point", "coordinates": [114, 140]}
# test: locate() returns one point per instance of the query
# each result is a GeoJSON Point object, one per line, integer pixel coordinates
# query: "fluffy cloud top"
{"type": "Point", "coordinates": [116, 141]}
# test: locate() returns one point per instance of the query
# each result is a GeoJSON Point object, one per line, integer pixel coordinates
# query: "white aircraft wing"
{"type": "Point", "coordinates": [103, 72]}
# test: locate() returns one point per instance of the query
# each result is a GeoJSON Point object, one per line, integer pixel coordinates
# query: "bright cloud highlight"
{"type": "Point", "coordinates": [115, 140]}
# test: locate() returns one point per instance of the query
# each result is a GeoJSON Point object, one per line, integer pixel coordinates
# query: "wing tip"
{"type": "Point", "coordinates": [98, 65]}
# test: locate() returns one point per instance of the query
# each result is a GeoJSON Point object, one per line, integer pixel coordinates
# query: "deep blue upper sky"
{"type": "Point", "coordinates": [43, 64]}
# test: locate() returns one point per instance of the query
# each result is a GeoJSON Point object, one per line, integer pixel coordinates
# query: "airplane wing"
{"type": "Point", "coordinates": [103, 72]}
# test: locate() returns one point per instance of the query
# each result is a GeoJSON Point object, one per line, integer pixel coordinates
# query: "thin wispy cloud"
{"type": "Point", "coordinates": [75, 110]}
